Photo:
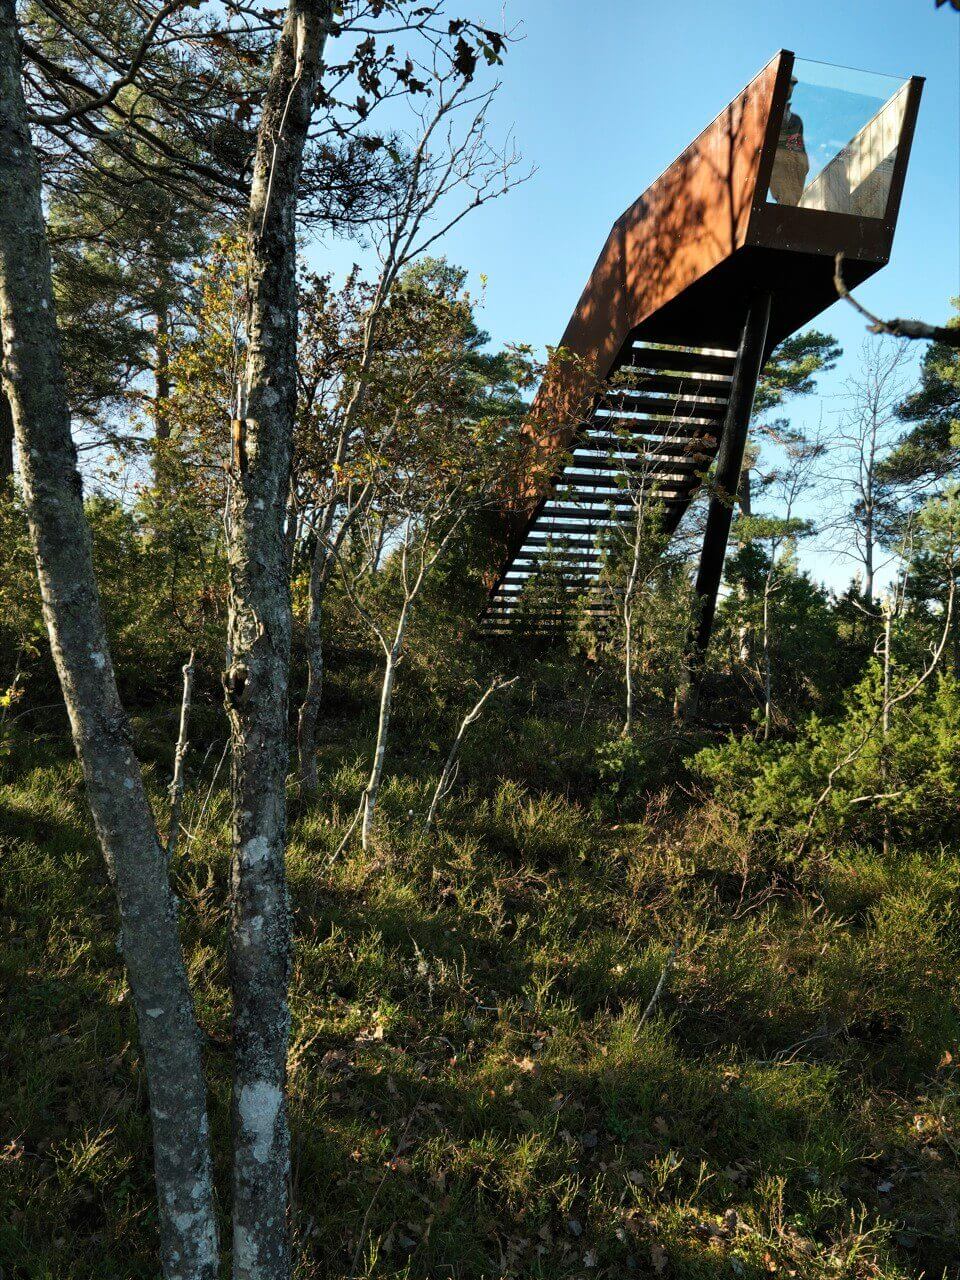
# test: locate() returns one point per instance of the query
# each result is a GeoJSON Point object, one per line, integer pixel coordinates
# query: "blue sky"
{"type": "Point", "coordinates": [601, 96]}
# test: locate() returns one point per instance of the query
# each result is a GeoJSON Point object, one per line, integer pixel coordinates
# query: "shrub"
{"type": "Point", "coordinates": [908, 781]}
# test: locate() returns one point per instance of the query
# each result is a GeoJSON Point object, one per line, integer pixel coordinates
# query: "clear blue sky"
{"type": "Point", "coordinates": [601, 96]}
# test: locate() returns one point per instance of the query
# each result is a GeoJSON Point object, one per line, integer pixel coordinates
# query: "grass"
{"type": "Point", "coordinates": [474, 1090]}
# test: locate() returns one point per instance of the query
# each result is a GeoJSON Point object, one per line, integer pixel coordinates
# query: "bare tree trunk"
{"type": "Point", "coordinates": [372, 791]}
{"type": "Point", "coordinates": [256, 680]}
{"type": "Point", "coordinates": [321, 567]}
{"type": "Point", "coordinates": [393, 651]}
{"type": "Point", "coordinates": [629, 597]}
{"type": "Point", "coordinates": [744, 500]}
{"type": "Point", "coordinates": [324, 557]}
{"type": "Point", "coordinates": [767, 679]}
{"type": "Point", "coordinates": [176, 785]}
{"type": "Point", "coordinates": [448, 774]}
{"type": "Point", "coordinates": [34, 382]}
{"type": "Point", "coordinates": [885, 720]}
{"type": "Point", "coordinates": [628, 667]}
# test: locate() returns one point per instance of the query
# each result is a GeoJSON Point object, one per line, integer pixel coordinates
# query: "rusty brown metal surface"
{"type": "Point", "coordinates": [680, 267]}
{"type": "Point", "coordinates": [692, 217]}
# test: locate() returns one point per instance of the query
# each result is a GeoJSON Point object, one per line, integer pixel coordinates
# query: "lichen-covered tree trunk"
{"type": "Point", "coordinates": [34, 383]}
{"type": "Point", "coordinates": [256, 679]}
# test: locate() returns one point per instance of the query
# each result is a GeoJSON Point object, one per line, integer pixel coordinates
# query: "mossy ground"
{"type": "Point", "coordinates": [474, 1090]}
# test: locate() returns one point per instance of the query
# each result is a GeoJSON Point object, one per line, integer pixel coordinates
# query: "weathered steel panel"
{"type": "Point", "coordinates": [682, 265]}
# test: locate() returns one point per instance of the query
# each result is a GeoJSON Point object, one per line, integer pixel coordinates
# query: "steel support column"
{"type": "Point", "coordinates": [726, 482]}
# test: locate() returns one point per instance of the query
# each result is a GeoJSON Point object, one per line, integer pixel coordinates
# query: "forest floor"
{"type": "Point", "coordinates": [477, 1087]}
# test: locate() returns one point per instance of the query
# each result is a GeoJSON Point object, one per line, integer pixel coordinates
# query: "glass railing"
{"type": "Point", "coordinates": [838, 140]}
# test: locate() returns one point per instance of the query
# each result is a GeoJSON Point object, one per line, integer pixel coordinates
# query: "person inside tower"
{"type": "Point", "coordinates": [791, 165]}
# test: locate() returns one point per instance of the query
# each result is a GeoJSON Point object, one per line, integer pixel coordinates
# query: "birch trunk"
{"type": "Point", "coordinates": [448, 774]}
{"type": "Point", "coordinates": [628, 668]}
{"type": "Point", "coordinates": [383, 729]}
{"type": "Point", "coordinates": [256, 680]}
{"type": "Point", "coordinates": [394, 652]}
{"type": "Point", "coordinates": [127, 831]}
{"type": "Point", "coordinates": [445, 781]}
{"type": "Point", "coordinates": [321, 569]}
{"type": "Point", "coordinates": [628, 599]}
{"type": "Point", "coordinates": [177, 784]}
{"type": "Point", "coordinates": [324, 558]}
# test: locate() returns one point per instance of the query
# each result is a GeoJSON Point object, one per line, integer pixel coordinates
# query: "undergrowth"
{"type": "Point", "coordinates": [479, 1086]}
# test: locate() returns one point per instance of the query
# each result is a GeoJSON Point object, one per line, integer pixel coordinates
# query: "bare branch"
{"type": "Point", "coordinates": [98, 101]}
{"type": "Point", "coordinates": [917, 330]}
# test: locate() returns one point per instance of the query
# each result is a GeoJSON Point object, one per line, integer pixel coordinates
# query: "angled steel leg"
{"type": "Point", "coordinates": [726, 481]}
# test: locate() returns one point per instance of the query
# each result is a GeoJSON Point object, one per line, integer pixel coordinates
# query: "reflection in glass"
{"type": "Point", "coordinates": [838, 140]}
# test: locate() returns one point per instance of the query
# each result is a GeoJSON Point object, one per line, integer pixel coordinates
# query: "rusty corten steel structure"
{"type": "Point", "coordinates": [696, 284]}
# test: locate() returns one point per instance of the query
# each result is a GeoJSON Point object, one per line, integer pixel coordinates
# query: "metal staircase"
{"type": "Point", "coordinates": [697, 282]}
{"type": "Point", "coordinates": [650, 439]}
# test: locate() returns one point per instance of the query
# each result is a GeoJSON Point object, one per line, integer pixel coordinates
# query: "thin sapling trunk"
{"type": "Point", "coordinates": [177, 783]}
{"type": "Point", "coordinates": [448, 775]}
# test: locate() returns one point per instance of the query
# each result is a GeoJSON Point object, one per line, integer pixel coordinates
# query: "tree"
{"type": "Point", "coordinates": [914, 330]}
{"type": "Point", "coordinates": [124, 252]}
{"type": "Point", "coordinates": [437, 468]}
{"type": "Point", "coordinates": [451, 764]}
{"type": "Point", "coordinates": [36, 387]}
{"type": "Point", "coordinates": [791, 370]}
{"type": "Point", "coordinates": [776, 538]}
{"type": "Point", "coordinates": [142, 147]}
{"type": "Point", "coordinates": [927, 455]}
{"type": "Point", "coordinates": [861, 448]}
{"type": "Point", "coordinates": [932, 531]}
{"type": "Point", "coordinates": [940, 525]}
{"type": "Point", "coordinates": [146, 118]}
{"type": "Point", "coordinates": [83, 97]}
{"type": "Point", "coordinates": [445, 170]}
{"type": "Point", "coordinates": [258, 651]}
{"type": "Point", "coordinates": [635, 543]}
{"type": "Point", "coordinates": [547, 601]}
